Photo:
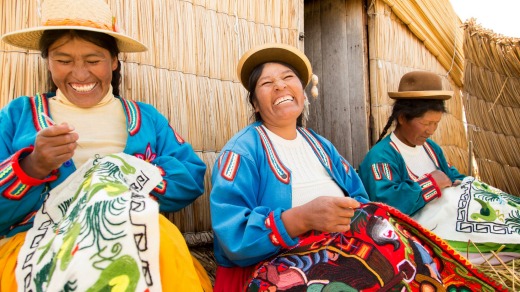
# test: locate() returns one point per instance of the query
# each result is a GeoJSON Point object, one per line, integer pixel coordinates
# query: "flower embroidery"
{"type": "Point", "coordinates": [148, 156]}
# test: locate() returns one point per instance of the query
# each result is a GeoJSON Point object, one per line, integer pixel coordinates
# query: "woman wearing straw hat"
{"type": "Point", "coordinates": [83, 126]}
{"type": "Point", "coordinates": [407, 170]}
{"type": "Point", "coordinates": [288, 212]}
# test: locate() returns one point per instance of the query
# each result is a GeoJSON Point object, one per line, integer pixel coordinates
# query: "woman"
{"type": "Point", "coordinates": [48, 137]}
{"type": "Point", "coordinates": [395, 171]}
{"type": "Point", "coordinates": [287, 209]}
{"type": "Point", "coordinates": [408, 171]}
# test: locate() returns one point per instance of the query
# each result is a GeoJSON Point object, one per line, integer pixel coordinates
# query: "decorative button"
{"type": "Point", "coordinates": [67, 163]}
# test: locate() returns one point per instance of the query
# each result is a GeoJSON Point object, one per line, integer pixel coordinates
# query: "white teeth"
{"type": "Point", "coordinates": [283, 99]}
{"type": "Point", "coordinates": [83, 87]}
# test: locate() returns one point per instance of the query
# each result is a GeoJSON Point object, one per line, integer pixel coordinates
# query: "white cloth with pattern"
{"type": "Point", "coordinates": [97, 230]}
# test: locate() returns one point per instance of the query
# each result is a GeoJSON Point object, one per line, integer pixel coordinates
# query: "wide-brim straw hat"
{"type": "Point", "coordinates": [89, 15]}
{"type": "Point", "coordinates": [274, 52]}
{"type": "Point", "coordinates": [421, 85]}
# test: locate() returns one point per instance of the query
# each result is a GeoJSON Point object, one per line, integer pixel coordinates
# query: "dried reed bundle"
{"type": "Point", "coordinates": [436, 24]}
{"type": "Point", "coordinates": [492, 90]}
{"type": "Point", "coordinates": [507, 274]}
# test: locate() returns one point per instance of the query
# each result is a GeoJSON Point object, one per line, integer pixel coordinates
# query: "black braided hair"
{"type": "Point", "coordinates": [411, 109]}
{"type": "Point", "coordinates": [99, 39]}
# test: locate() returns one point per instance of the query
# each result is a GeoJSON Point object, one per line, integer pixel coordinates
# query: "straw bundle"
{"type": "Point", "coordinates": [388, 63]}
{"type": "Point", "coordinates": [492, 102]}
{"type": "Point", "coordinates": [436, 25]}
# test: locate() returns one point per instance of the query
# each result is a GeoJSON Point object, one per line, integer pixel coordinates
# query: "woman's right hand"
{"type": "Point", "coordinates": [52, 147]}
{"type": "Point", "coordinates": [442, 180]}
{"type": "Point", "coordinates": [326, 214]}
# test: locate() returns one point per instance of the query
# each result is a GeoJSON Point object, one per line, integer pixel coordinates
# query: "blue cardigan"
{"type": "Point", "coordinates": [251, 188]}
{"type": "Point", "coordinates": [388, 180]}
{"type": "Point", "coordinates": [150, 137]}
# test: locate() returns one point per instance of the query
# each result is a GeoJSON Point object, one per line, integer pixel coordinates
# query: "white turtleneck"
{"type": "Point", "coordinates": [101, 128]}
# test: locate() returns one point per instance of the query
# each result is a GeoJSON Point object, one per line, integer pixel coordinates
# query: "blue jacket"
{"type": "Point", "coordinates": [150, 137]}
{"type": "Point", "coordinates": [388, 180]}
{"type": "Point", "coordinates": [251, 188]}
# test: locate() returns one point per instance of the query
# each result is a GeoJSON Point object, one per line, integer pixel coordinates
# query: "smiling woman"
{"type": "Point", "coordinates": [289, 213]}
{"type": "Point", "coordinates": [128, 150]}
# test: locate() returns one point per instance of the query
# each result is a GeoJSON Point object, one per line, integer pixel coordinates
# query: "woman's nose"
{"type": "Point", "coordinates": [80, 71]}
{"type": "Point", "coordinates": [280, 84]}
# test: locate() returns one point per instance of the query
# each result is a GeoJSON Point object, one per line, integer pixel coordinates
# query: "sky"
{"type": "Point", "coordinates": [501, 16]}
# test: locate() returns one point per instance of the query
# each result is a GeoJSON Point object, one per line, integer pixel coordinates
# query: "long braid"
{"type": "Point", "coordinates": [385, 129]}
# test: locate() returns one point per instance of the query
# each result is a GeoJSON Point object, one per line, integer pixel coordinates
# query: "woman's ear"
{"type": "Point", "coordinates": [115, 63]}
{"type": "Point", "coordinates": [400, 119]}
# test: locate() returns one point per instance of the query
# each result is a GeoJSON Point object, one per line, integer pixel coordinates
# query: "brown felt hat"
{"type": "Point", "coordinates": [90, 15]}
{"type": "Point", "coordinates": [421, 85]}
{"type": "Point", "coordinates": [273, 52]}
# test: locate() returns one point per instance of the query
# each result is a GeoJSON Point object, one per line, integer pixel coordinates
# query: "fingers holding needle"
{"type": "Point", "coordinates": [51, 122]}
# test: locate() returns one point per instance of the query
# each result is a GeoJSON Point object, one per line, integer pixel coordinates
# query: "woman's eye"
{"type": "Point", "coordinates": [93, 62]}
{"type": "Point", "coordinates": [63, 61]}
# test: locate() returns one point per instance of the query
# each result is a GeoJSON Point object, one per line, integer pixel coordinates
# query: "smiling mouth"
{"type": "Point", "coordinates": [83, 87]}
{"type": "Point", "coordinates": [283, 99]}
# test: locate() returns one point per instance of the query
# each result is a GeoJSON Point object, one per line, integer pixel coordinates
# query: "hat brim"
{"type": "Point", "coordinates": [30, 38]}
{"type": "Point", "coordinates": [433, 94]}
{"type": "Point", "coordinates": [274, 52]}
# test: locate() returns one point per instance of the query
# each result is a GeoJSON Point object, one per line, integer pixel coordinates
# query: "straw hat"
{"type": "Point", "coordinates": [274, 52]}
{"type": "Point", "coordinates": [421, 85]}
{"type": "Point", "coordinates": [90, 15]}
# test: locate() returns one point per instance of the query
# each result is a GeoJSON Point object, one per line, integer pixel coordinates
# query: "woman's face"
{"type": "Point", "coordinates": [81, 70]}
{"type": "Point", "coordinates": [279, 96]}
{"type": "Point", "coordinates": [414, 132]}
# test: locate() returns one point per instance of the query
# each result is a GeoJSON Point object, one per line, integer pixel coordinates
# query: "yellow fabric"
{"type": "Point", "coordinates": [101, 128]}
{"type": "Point", "coordinates": [8, 256]}
{"type": "Point", "coordinates": [179, 270]}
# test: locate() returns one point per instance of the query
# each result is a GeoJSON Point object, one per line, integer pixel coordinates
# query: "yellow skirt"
{"type": "Point", "coordinates": [177, 274]}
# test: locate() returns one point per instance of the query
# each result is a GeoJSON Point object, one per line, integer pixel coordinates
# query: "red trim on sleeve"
{"type": "Point", "coordinates": [25, 178]}
{"type": "Point", "coordinates": [275, 236]}
{"type": "Point", "coordinates": [435, 185]}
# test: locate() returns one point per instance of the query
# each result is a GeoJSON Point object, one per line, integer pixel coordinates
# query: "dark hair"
{"type": "Point", "coordinates": [411, 109]}
{"type": "Point", "coordinates": [253, 80]}
{"type": "Point", "coordinates": [99, 39]}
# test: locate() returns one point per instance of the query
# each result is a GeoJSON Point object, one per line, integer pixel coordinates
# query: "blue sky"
{"type": "Point", "coordinates": [501, 16]}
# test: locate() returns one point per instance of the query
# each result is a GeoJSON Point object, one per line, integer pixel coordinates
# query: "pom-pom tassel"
{"type": "Point", "coordinates": [314, 89]}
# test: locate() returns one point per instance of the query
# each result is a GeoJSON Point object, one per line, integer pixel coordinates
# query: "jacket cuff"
{"type": "Point", "coordinates": [430, 189]}
{"type": "Point", "coordinates": [278, 235]}
{"type": "Point", "coordinates": [24, 177]}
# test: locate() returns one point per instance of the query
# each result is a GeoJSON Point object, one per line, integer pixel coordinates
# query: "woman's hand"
{"type": "Point", "coordinates": [326, 214]}
{"type": "Point", "coordinates": [53, 146]}
{"type": "Point", "coordinates": [442, 180]}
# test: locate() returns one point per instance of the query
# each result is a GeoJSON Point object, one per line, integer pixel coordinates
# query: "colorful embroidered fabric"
{"type": "Point", "coordinates": [474, 211]}
{"type": "Point", "coordinates": [98, 229]}
{"type": "Point", "coordinates": [383, 251]}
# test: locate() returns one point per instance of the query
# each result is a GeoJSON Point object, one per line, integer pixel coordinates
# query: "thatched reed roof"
{"type": "Point", "coordinates": [492, 103]}
{"type": "Point", "coordinates": [437, 26]}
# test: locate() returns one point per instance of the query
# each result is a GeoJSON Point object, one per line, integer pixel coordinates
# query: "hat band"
{"type": "Point", "coordinates": [79, 22]}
